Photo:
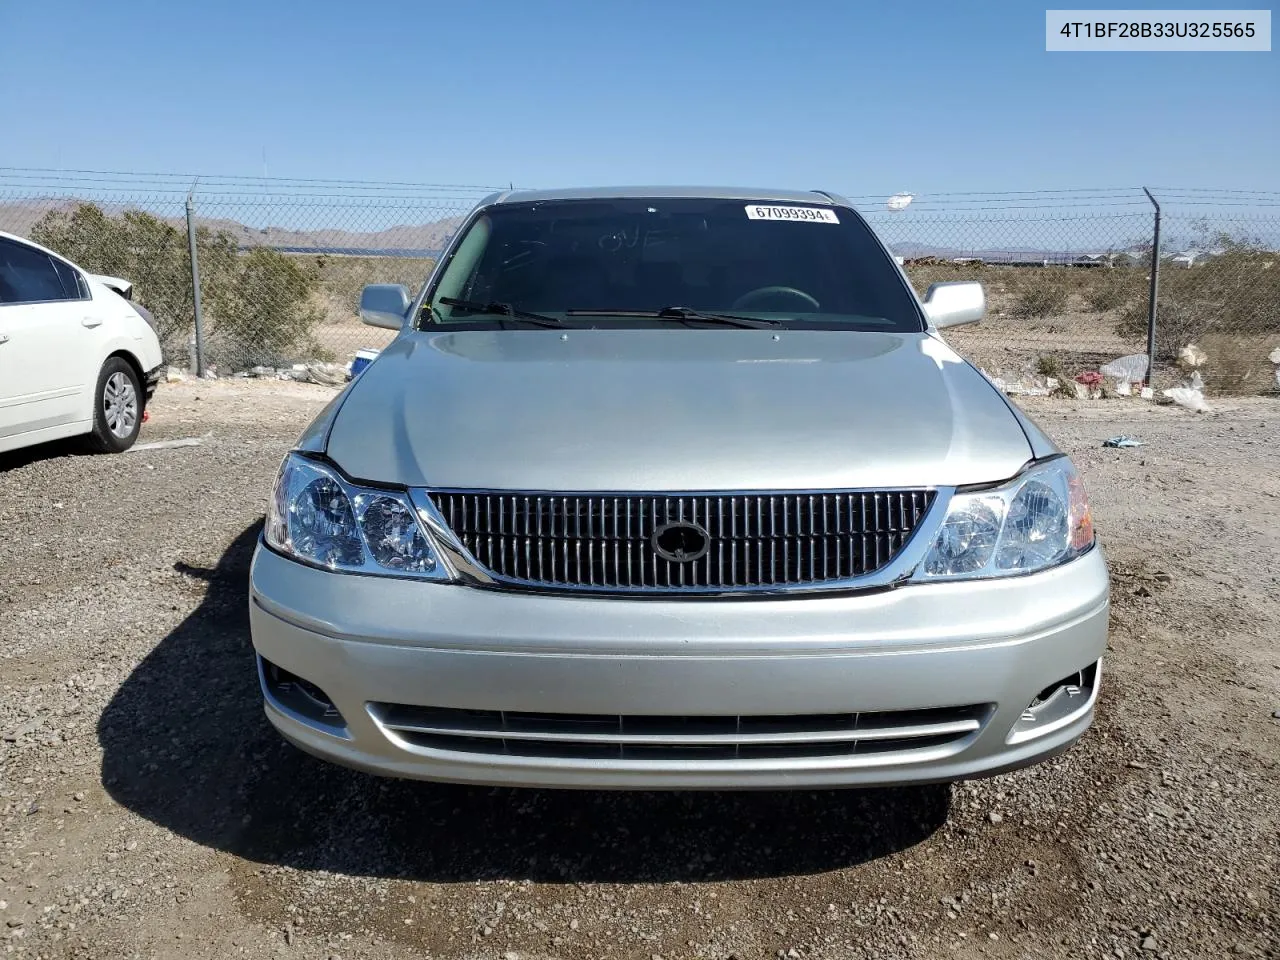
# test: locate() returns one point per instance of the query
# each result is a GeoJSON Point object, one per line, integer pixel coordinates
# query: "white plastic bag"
{"type": "Point", "coordinates": [1192, 356]}
{"type": "Point", "coordinates": [1131, 368]}
{"type": "Point", "coordinates": [1188, 397]}
{"type": "Point", "coordinates": [328, 374]}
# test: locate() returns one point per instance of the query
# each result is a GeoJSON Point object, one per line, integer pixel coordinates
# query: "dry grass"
{"type": "Point", "coordinates": [340, 333]}
{"type": "Point", "coordinates": [1078, 318]}
{"type": "Point", "coordinates": [342, 278]}
{"type": "Point", "coordinates": [1113, 290]}
{"type": "Point", "coordinates": [1045, 300]}
{"type": "Point", "coordinates": [1238, 363]}
{"type": "Point", "coordinates": [341, 338]}
{"type": "Point", "coordinates": [1037, 316]}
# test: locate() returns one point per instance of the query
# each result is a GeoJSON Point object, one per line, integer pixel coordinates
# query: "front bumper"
{"type": "Point", "coordinates": [366, 641]}
{"type": "Point", "coordinates": [151, 379]}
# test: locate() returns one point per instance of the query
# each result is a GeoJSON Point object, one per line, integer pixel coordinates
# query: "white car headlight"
{"type": "Point", "coordinates": [319, 518]}
{"type": "Point", "coordinates": [1036, 521]}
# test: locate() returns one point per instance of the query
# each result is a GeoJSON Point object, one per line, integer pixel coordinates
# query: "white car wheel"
{"type": "Point", "coordinates": [117, 407]}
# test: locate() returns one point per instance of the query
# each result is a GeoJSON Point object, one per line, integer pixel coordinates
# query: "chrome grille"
{"type": "Point", "coordinates": [607, 736]}
{"type": "Point", "coordinates": [754, 540]}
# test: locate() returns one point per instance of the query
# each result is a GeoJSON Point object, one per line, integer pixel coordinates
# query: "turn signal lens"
{"type": "Point", "coordinates": [1082, 534]}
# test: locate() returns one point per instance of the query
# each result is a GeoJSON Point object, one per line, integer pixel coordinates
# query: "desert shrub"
{"type": "Point", "coordinates": [343, 277]}
{"type": "Point", "coordinates": [261, 302]}
{"type": "Point", "coordinates": [1039, 300]}
{"type": "Point", "coordinates": [1050, 366]}
{"type": "Point", "coordinates": [258, 304]}
{"type": "Point", "coordinates": [1238, 364]}
{"type": "Point", "coordinates": [1113, 289]}
{"type": "Point", "coordinates": [1235, 294]}
{"type": "Point", "coordinates": [1176, 326]}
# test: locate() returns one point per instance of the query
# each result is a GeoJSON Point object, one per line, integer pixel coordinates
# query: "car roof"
{"type": "Point", "coordinates": [817, 197]}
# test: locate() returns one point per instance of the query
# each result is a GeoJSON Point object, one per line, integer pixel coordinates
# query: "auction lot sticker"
{"type": "Point", "coordinates": [756, 211]}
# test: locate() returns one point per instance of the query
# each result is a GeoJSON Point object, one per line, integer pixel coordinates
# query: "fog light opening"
{"type": "Point", "coordinates": [1056, 705]}
{"type": "Point", "coordinates": [1070, 686]}
{"type": "Point", "coordinates": [299, 695]}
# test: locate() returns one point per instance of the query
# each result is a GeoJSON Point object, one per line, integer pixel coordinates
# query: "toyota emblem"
{"type": "Point", "coordinates": [681, 542]}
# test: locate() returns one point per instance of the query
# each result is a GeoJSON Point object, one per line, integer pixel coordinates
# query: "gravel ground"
{"type": "Point", "coordinates": [147, 809]}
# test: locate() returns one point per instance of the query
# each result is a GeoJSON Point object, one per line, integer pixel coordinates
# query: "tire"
{"type": "Point", "coordinates": [118, 403]}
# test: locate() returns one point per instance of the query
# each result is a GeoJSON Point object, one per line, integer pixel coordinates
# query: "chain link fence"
{"type": "Point", "coordinates": [1056, 283]}
{"type": "Point", "coordinates": [281, 264]}
{"type": "Point", "coordinates": [1068, 281]}
{"type": "Point", "coordinates": [1067, 273]}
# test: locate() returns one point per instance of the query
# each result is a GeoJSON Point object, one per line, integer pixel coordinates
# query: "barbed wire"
{"type": "Point", "coordinates": [187, 179]}
{"type": "Point", "coordinates": [1275, 193]}
{"type": "Point", "coordinates": [263, 189]}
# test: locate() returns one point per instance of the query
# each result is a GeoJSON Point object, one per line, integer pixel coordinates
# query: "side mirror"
{"type": "Point", "coordinates": [384, 305]}
{"type": "Point", "coordinates": [951, 304]}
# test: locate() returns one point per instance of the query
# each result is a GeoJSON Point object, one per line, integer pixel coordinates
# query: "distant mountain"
{"type": "Point", "coordinates": [911, 250]}
{"type": "Point", "coordinates": [18, 217]}
{"type": "Point", "coordinates": [410, 237]}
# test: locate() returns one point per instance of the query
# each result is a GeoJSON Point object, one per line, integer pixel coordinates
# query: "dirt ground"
{"type": "Point", "coordinates": [341, 337]}
{"type": "Point", "coordinates": [148, 810]}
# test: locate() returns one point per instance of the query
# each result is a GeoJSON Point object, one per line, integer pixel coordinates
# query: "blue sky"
{"type": "Point", "coordinates": [855, 97]}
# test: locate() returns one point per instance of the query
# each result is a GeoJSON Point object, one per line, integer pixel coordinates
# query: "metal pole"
{"type": "Point", "coordinates": [1155, 289]}
{"type": "Point", "coordinates": [195, 278]}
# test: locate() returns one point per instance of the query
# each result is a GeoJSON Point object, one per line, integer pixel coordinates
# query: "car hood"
{"type": "Point", "coordinates": [673, 410]}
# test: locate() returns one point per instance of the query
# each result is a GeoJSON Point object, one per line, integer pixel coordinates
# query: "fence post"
{"type": "Point", "coordinates": [1155, 289]}
{"type": "Point", "coordinates": [195, 278]}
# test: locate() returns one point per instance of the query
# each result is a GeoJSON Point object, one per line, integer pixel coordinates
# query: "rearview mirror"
{"type": "Point", "coordinates": [951, 304]}
{"type": "Point", "coordinates": [384, 305]}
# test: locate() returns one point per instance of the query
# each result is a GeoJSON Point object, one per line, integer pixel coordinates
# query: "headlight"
{"type": "Point", "coordinates": [1037, 521]}
{"type": "Point", "coordinates": [317, 517]}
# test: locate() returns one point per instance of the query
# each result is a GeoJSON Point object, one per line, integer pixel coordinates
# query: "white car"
{"type": "Point", "coordinates": [77, 357]}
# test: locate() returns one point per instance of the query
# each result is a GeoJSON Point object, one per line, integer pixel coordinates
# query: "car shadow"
{"type": "Point", "coordinates": [186, 745]}
{"type": "Point", "coordinates": [51, 450]}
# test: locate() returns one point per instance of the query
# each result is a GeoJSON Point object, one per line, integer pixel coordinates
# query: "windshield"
{"type": "Point", "coordinates": [609, 262]}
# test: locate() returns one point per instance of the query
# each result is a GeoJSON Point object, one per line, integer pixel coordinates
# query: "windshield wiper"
{"type": "Point", "coordinates": [681, 314]}
{"type": "Point", "coordinates": [501, 310]}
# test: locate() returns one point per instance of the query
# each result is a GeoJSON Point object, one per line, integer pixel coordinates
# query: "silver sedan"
{"type": "Point", "coordinates": [676, 488]}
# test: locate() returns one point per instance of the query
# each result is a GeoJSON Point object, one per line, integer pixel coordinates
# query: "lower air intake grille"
{"type": "Point", "coordinates": [604, 736]}
{"type": "Point", "coordinates": [703, 542]}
